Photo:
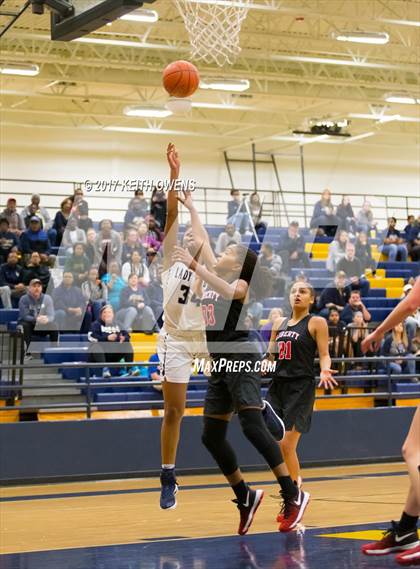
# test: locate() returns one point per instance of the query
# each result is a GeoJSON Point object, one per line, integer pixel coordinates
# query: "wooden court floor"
{"type": "Point", "coordinates": [105, 513]}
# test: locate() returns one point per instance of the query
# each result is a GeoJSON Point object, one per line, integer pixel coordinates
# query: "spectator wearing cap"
{"type": "Point", "coordinates": [72, 235]}
{"type": "Point", "coordinates": [11, 280]}
{"type": "Point", "coordinates": [36, 314]}
{"type": "Point", "coordinates": [108, 342]}
{"type": "Point", "coordinates": [228, 236]}
{"type": "Point", "coordinates": [355, 304]}
{"type": "Point", "coordinates": [16, 223]}
{"type": "Point", "coordinates": [8, 240]}
{"type": "Point", "coordinates": [334, 295]}
{"type": "Point", "coordinates": [70, 306]}
{"type": "Point", "coordinates": [34, 208]}
{"type": "Point", "coordinates": [78, 264]}
{"type": "Point", "coordinates": [353, 269]}
{"type": "Point", "coordinates": [36, 240]}
{"type": "Point", "coordinates": [61, 219]}
{"type": "Point", "coordinates": [364, 219]}
{"type": "Point", "coordinates": [324, 216]}
{"type": "Point", "coordinates": [36, 270]}
{"type": "Point", "coordinates": [292, 249]}
{"type": "Point", "coordinates": [394, 245]}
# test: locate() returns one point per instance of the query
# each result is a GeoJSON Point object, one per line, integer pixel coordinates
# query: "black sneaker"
{"type": "Point", "coordinates": [248, 509]}
{"type": "Point", "coordinates": [274, 424]}
{"type": "Point", "coordinates": [169, 489]}
{"type": "Point", "coordinates": [392, 542]}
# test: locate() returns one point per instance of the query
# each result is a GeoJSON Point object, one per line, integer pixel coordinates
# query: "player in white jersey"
{"type": "Point", "coordinates": [182, 337]}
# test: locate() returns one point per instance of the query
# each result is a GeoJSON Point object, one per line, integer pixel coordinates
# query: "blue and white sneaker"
{"type": "Point", "coordinates": [106, 373]}
{"type": "Point", "coordinates": [135, 370]}
{"type": "Point", "coordinates": [274, 424]}
{"type": "Point", "coordinates": [169, 489]}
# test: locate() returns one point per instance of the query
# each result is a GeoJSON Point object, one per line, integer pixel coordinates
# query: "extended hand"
{"type": "Point", "coordinates": [372, 343]}
{"type": "Point", "coordinates": [186, 199]}
{"type": "Point", "coordinates": [182, 255]}
{"type": "Point", "coordinates": [327, 381]}
{"type": "Point", "coordinates": [173, 158]}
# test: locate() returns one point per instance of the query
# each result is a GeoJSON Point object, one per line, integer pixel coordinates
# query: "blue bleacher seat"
{"type": "Point", "coordinates": [377, 292]}
{"type": "Point", "coordinates": [379, 314]}
{"type": "Point", "coordinates": [403, 387]}
{"type": "Point", "coordinates": [273, 302]}
{"type": "Point", "coordinates": [414, 268]}
{"type": "Point", "coordinates": [8, 315]}
{"type": "Point", "coordinates": [378, 302]}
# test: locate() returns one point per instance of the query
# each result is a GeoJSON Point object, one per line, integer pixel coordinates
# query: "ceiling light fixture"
{"type": "Point", "coordinates": [28, 70]}
{"type": "Point", "coordinates": [358, 137]}
{"type": "Point", "coordinates": [414, 23]}
{"type": "Point", "coordinates": [147, 112]}
{"type": "Point", "coordinates": [402, 98]}
{"type": "Point", "coordinates": [225, 84]}
{"type": "Point", "coordinates": [362, 37]}
{"type": "Point", "coordinates": [142, 15]}
{"type": "Point", "coordinates": [127, 43]}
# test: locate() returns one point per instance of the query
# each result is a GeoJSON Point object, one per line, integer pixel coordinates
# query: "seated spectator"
{"type": "Point", "coordinates": [70, 306]}
{"type": "Point", "coordinates": [90, 251]}
{"type": "Point", "coordinates": [364, 219]}
{"type": "Point", "coordinates": [396, 344]}
{"type": "Point", "coordinates": [158, 208]}
{"type": "Point", "coordinates": [355, 304]}
{"type": "Point", "coordinates": [364, 253]}
{"type": "Point", "coordinates": [336, 331]}
{"type": "Point", "coordinates": [16, 223]}
{"type": "Point", "coordinates": [227, 236]}
{"type": "Point", "coordinates": [35, 240]}
{"type": "Point", "coordinates": [8, 240]}
{"type": "Point", "coordinates": [153, 372]}
{"type": "Point", "coordinates": [255, 207]}
{"type": "Point", "coordinates": [237, 214]}
{"type": "Point", "coordinates": [72, 235]}
{"type": "Point", "coordinates": [153, 294]}
{"type": "Point", "coordinates": [254, 335]}
{"type": "Point", "coordinates": [36, 314]}
{"type": "Point", "coordinates": [11, 281]}
{"type": "Point", "coordinates": [354, 270]}
{"type": "Point", "coordinates": [34, 208]}
{"type": "Point", "coordinates": [138, 209]}
{"type": "Point", "coordinates": [61, 219]}
{"type": "Point", "coordinates": [334, 296]}
{"type": "Point", "coordinates": [337, 250]}
{"type": "Point", "coordinates": [411, 323]}
{"type": "Point", "coordinates": [109, 344]}
{"type": "Point", "coordinates": [254, 310]}
{"type": "Point", "coordinates": [292, 249]}
{"type": "Point", "coordinates": [146, 239]}
{"type": "Point", "coordinates": [130, 245]}
{"type": "Point", "coordinates": [357, 330]}
{"type": "Point", "coordinates": [154, 229]}
{"type": "Point", "coordinates": [78, 264]}
{"type": "Point", "coordinates": [138, 267]}
{"type": "Point", "coordinates": [80, 210]}
{"type": "Point", "coordinates": [346, 216]}
{"type": "Point", "coordinates": [108, 245]}
{"type": "Point", "coordinates": [115, 284]}
{"type": "Point", "coordinates": [274, 264]}
{"type": "Point", "coordinates": [394, 246]}
{"type": "Point", "coordinates": [265, 330]}
{"type": "Point", "coordinates": [133, 309]}
{"type": "Point", "coordinates": [412, 236]}
{"type": "Point", "coordinates": [93, 288]}
{"type": "Point", "coordinates": [36, 270]}
{"type": "Point", "coordinates": [324, 217]}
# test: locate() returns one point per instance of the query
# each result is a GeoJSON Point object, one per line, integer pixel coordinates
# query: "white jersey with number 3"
{"type": "Point", "coordinates": [182, 312]}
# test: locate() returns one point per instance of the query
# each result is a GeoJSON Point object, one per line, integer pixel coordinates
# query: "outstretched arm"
{"type": "Point", "coordinates": [320, 331]}
{"type": "Point", "coordinates": [171, 225]}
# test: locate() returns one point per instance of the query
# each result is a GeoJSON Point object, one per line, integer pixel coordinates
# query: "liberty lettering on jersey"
{"type": "Point", "coordinates": [288, 334]}
{"type": "Point", "coordinates": [210, 295]}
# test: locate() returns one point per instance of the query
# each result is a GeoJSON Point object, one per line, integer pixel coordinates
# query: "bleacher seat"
{"type": "Point", "coordinates": [378, 302]}
{"type": "Point", "coordinates": [379, 314]}
{"type": "Point", "coordinates": [8, 315]}
{"type": "Point", "coordinates": [403, 387]}
{"type": "Point", "coordinates": [273, 302]}
{"type": "Point", "coordinates": [414, 268]}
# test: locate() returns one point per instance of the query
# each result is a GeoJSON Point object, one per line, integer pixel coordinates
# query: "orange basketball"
{"type": "Point", "coordinates": [181, 78]}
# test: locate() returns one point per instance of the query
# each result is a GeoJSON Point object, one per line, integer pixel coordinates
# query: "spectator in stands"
{"type": "Point", "coordinates": [146, 239]}
{"type": "Point", "coordinates": [153, 372]}
{"type": "Point", "coordinates": [61, 219]}
{"type": "Point", "coordinates": [255, 207]}
{"type": "Point", "coordinates": [355, 304]}
{"type": "Point", "coordinates": [412, 236]}
{"type": "Point", "coordinates": [354, 270]}
{"type": "Point", "coordinates": [394, 245]}
{"type": "Point", "coordinates": [36, 240]}
{"type": "Point", "coordinates": [364, 219]}
{"type": "Point", "coordinates": [324, 218]}
{"type": "Point", "coordinates": [72, 235]}
{"type": "Point", "coordinates": [153, 294]}
{"type": "Point", "coordinates": [36, 270]}
{"type": "Point", "coordinates": [254, 335]}
{"type": "Point", "coordinates": [109, 343]}
{"type": "Point", "coordinates": [130, 245]}
{"type": "Point", "coordinates": [36, 314]}
{"type": "Point", "coordinates": [154, 229]}
{"type": "Point", "coordinates": [115, 284]}
{"type": "Point", "coordinates": [158, 208]}
{"type": "Point", "coordinates": [139, 194]}
{"type": "Point", "coordinates": [396, 344]}
{"type": "Point", "coordinates": [108, 245]}
{"type": "Point", "coordinates": [8, 240]}
{"type": "Point", "coordinates": [292, 249]}
{"type": "Point", "coordinates": [137, 211]}
{"type": "Point", "coordinates": [357, 333]}
{"type": "Point", "coordinates": [138, 267]}
{"type": "Point", "coordinates": [80, 210]}
{"type": "Point", "coordinates": [274, 264]}
{"type": "Point", "coordinates": [11, 281]}
{"type": "Point", "coordinates": [16, 223]}
{"type": "Point", "coordinates": [411, 323]}
{"type": "Point", "coordinates": [337, 250]}
{"type": "Point", "coordinates": [227, 236]}
{"type": "Point", "coordinates": [78, 264]}
{"type": "Point", "coordinates": [133, 308]}
{"type": "Point", "coordinates": [364, 253]}
{"type": "Point", "coordinates": [336, 331]}
{"type": "Point", "coordinates": [93, 288]}
{"type": "Point", "coordinates": [265, 330]}
{"type": "Point", "coordinates": [237, 213]}
{"type": "Point", "coordinates": [34, 208]}
{"type": "Point", "coordinates": [90, 250]}
{"type": "Point", "coordinates": [346, 216]}
{"type": "Point", "coordinates": [70, 306]}
{"type": "Point", "coordinates": [335, 296]}
{"type": "Point", "coordinates": [254, 310]}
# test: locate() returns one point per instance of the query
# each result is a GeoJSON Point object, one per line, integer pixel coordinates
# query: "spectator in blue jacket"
{"type": "Point", "coordinates": [355, 304]}
{"type": "Point", "coordinates": [35, 239]}
{"type": "Point", "coordinates": [36, 314]}
{"type": "Point", "coordinates": [70, 306]}
{"type": "Point", "coordinates": [11, 280]}
{"type": "Point", "coordinates": [109, 343]}
{"type": "Point", "coordinates": [335, 295]}
{"type": "Point", "coordinates": [133, 308]}
{"type": "Point", "coordinates": [8, 240]}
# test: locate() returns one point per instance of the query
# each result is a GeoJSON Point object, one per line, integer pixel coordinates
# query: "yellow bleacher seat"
{"type": "Point", "coordinates": [407, 402]}
{"type": "Point", "coordinates": [144, 345]}
{"type": "Point", "coordinates": [319, 250]}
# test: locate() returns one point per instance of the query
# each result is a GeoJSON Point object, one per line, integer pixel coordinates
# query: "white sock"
{"type": "Point", "coordinates": [168, 466]}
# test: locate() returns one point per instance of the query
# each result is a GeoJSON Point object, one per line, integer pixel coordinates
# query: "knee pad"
{"type": "Point", "coordinates": [214, 439]}
{"type": "Point", "coordinates": [256, 431]}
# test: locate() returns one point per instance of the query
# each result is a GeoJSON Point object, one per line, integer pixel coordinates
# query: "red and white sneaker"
{"type": "Point", "coordinates": [292, 510]}
{"type": "Point", "coordinates": [392, 542]}
{"type": "Point", "coordinates": [409, 557]}
{"type": "Point", "coordinates": [248, 509]}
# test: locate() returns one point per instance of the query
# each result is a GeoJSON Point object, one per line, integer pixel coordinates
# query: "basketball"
{"type": "Point", "coordinates": [181, 78]}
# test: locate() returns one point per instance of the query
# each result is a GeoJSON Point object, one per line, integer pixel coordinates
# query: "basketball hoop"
{"type": "Point", "coordinates": [213, 28]}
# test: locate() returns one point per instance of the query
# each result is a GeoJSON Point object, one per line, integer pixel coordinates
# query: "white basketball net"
{"type": "Point", "coordinates": [213, 28]}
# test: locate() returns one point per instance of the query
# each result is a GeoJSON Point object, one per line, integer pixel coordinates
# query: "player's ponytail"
{"type": "Point", "coordinates": [258, 278]}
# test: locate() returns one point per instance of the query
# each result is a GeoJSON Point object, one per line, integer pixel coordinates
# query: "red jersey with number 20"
{"type": "Point", "coordinates": [295, 350]}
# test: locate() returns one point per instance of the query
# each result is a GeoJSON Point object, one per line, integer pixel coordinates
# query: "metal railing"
{"type": "Point", "coordinates": [90, 385]}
